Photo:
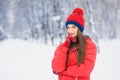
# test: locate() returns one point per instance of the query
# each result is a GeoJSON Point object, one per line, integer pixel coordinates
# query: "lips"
{"type": "Point", "coordinates": [70, 34]}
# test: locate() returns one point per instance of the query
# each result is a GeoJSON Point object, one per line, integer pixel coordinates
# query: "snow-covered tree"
{"type": "Point", "coordinates": [44, 20]}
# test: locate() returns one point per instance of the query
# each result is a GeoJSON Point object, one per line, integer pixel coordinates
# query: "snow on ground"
{"type": "Point", "coordinates": [108, 61]}
{"type": "Point", "coordinates": [21, 60]}
{"type": "Point", "coordinates": [26, 60]}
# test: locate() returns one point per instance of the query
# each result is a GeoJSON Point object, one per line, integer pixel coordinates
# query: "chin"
{"type": "Point", "coordinates": [73, 36]}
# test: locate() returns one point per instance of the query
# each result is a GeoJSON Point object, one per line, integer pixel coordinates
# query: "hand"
{"type": "Point", "coordinates": [68, 40]}
{"type": "Point", "coordinates": [72, 39]}
{"type": "Point", "coordinates": [55, 72]}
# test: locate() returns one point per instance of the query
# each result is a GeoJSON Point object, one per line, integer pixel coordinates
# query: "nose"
{"type": "Point", "coordinates": [70, 30]}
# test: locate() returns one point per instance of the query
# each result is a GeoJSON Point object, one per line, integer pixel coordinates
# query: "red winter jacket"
{"type": "Point", "coordinates": [74, 72]}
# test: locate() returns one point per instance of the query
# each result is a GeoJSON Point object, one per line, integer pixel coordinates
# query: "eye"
{"type": "Point", "coordinates": [67, 27]}
{"type": "Point", "coordinates": [74, 27]}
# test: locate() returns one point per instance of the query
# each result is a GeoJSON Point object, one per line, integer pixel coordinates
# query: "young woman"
{"type": "Point", "coordinates": [74, 59]}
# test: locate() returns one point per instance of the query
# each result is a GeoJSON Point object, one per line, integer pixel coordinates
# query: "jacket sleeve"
{"type": "Point", "coordinates": [85, 68]}
{"type": "Point", "coordinates": [59, 59]}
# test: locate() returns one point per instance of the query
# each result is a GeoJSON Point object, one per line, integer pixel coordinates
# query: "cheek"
{"type": "Point", "coordinates": [67, 31]}
{"type": "Point", "coordinates": [75, 33]}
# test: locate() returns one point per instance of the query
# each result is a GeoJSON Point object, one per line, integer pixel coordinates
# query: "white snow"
{"type": "Point", "coordinates": [28, 60]}
{"type": "Point", "coordinates": [108, 61]}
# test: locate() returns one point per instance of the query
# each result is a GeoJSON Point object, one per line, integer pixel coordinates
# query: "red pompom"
{"type": "Point", "coordinates": [78, 11]}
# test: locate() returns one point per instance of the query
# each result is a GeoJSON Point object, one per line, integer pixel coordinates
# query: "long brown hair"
{"type": "Point", "coordinates": [80, 45]}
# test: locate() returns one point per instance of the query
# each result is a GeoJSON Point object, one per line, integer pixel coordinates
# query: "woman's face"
{"type": "Point", "coordinates": [72, 30]}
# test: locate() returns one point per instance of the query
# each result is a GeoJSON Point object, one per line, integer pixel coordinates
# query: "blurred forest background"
{"type": "Point", "coordinates": [44, 20]}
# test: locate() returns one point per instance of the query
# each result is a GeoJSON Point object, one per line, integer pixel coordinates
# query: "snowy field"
{"type": "Point", "coordinates": [28, 60]}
